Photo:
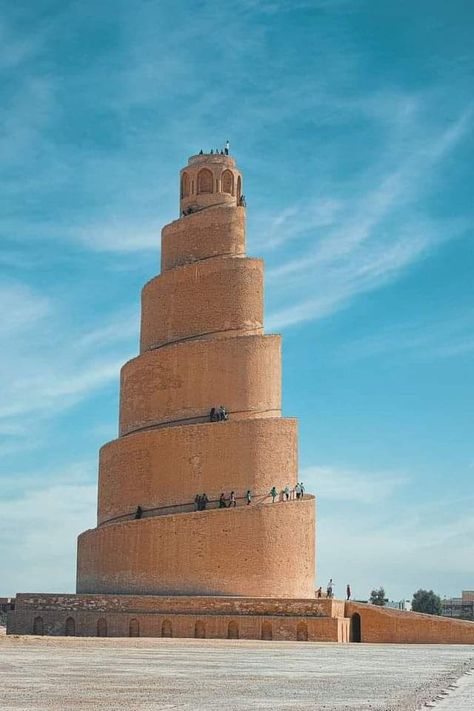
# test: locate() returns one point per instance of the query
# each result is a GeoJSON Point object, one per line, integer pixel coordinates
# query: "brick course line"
{"type": "Point", "coordinates": [190, 421]}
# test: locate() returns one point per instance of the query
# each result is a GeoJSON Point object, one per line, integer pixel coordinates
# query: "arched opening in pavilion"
{"type": "Point", "coordinates": [227, 182]}
{"type": "Point", "coordinates": [184, 185]}
{"type": "Point", "coordinates": [205, 181]}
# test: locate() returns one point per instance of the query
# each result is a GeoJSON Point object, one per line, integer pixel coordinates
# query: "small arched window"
{"type": "Point", "coordinates": [38, 627]}
{"type": "Point", "coordinates": [205, 181]}
{"type": "Point", "coordinates": [70, 627]}
{"type": "Point", "coordinates": [239, 188]}
{"type": "Point", "coordinates": [184, 185]}
{"type": "Point", "coordinates": [227, 182]}
{"type": "Point", "coordinates": [133, 628]}
{"type": "Point", "coordinates": [166, 629]}
{"type": "Point", "coordinates": [233, 630]}
{"type": "Point", "coordinates": [267, 632]}
{"type": "Point", "coordinates": [302, 632]}
{"type": "Point", "coordinates": [102, 627]}
{"type": "Point", "coordinates": [199, 630]}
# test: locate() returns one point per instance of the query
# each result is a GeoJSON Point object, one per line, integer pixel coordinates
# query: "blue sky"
{"type": "Point", "coordinates": [351, 121]}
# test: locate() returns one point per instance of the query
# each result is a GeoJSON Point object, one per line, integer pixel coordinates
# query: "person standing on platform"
{"type": "Point", "coordinates": [273, 493]}
{"type": "Point", "coordinates": [330, 588]}
{"type": "Point", "coordinates": [248, 496]}
{"type": "Point", "coordinates": [348, 591]}
{"type": "Point", "coordinates": [232, 500]}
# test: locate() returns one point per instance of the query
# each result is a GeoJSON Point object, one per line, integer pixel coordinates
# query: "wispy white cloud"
{"type": "Point", "coordinates": [48, 364]}
{"type": "Point", "coordinates": [14, 50]}
{"type": "Point", "coordinates": [442, 338]}
{"type": "Point", "coordinates": [369, 242]}
{"type": "Point", "coordinates": [332, 483]}
{"type": "Point", "coordinates": [334, 285]}
{"type": "Point", "coordinates": [21, 308]}
{"type": "Point", "coordinates": [34, 557]}
{"type": "Point", "coordinates": [370, 534]}
{"type": "Point", "coordinates": [116, 235]}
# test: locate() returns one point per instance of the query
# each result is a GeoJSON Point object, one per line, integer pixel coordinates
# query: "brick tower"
{"type": "Point", "coordinates": [156, 567]}
{"type": "Point", "coordinates": [202, 346]}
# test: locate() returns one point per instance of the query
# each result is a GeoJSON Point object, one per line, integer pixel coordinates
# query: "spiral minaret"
{"type": "Point", "coordinates": [202, 346]}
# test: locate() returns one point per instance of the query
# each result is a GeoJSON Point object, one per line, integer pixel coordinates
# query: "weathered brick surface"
{"type": "Point", "coordinates": [168, 466]}
{"type": "Point", "coordinates": [210, 617]}
{"type": "Point", "coordinates": [181, 604]}
{"type": "Point", "coordinates": [379, 624]}
{"type": "Point", "coordinates": [254, 618]}
{"type": "Point", "coordinates": [215, 166]}
{"type": "Point", "coordinates": [184, 380]}
{"type": "Point", "coordinates": [210, 233]}
{"type": "Point", "coordinates": [223, 295]}
{"type": "Point", "coordinates": [265, 550]}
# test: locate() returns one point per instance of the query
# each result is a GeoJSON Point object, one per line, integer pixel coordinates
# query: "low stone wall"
{"type": "Point", "coordinates": [167, 616]}
{"type": "Point", "coordinates": [182, 604]}
{"type": "Point", "coordinates": [385, 625]}
{"type": "Point", "coordinates": [316, 620]}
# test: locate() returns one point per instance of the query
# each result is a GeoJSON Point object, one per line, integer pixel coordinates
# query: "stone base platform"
{"type": "Point", "coordinates": [215, 617]}
{"type": "Point", "coordinates": [179, 616]}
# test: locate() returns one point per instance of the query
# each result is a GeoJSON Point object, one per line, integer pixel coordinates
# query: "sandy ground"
{"type": "Point", "coordinates": [459, 696]}
{"type": "Point", "coordinates": [193, 675]}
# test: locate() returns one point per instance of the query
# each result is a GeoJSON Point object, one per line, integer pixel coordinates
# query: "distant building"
{"type": "Point", "coordinates": [392, 604]}
{"type": "Point", "coordinates": [6, 604]}
{"type": "Point", "coordinates": [399, 604]}
{"type": "Point", "coordinates": [460, 607]}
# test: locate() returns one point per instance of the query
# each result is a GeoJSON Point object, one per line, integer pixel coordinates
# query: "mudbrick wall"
{"type": "Point", "coordinates": [222, 296]}
{"type": "Point", "coordinates": [211, 233]}
{"type": "Point", "coordinates": [183, 380]}
{"type": "Point", "coordinates": [264, 550]}
{"type": "Point", "coordinates": [322, 620]}
{"type": "Point", "coordinates": [150, 616]}
{"type": "Point", "coordinates": [169, 466]}
{"type": "Point", "coordinates": [378, 624]}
